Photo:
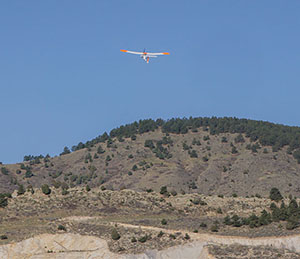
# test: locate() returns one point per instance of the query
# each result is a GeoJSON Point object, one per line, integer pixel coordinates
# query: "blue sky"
{"type": "Point", "coordinates": [64, 80]}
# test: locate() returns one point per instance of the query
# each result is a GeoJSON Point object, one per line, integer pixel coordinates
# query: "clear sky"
{"type": "Point", "coordinates": [64, 80]}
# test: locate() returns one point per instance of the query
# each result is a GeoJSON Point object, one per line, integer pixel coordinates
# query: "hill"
{"type": "Point", "coordinates": [220, 156]}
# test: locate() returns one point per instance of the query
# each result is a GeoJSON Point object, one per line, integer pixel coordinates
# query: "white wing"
{"type": "Point", "coordinates": [132, 52]}
{"type": "Point", "coordinates": [146, 53]}
{"type": "Point", "coordinates": [158, 54]}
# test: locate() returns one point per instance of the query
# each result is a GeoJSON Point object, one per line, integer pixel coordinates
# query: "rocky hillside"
{"type": "Point", "coordinates": [213, 156]}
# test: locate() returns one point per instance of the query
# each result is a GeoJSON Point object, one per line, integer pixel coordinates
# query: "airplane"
{"type": "Point", "coordinates": [145, 55]}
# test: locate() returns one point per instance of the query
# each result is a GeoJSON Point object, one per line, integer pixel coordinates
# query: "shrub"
{"type": "Point", "coordinates": [3, 201]}
{"type": "Point", "coordinates": [187, 237]}
{"type": "Point", "coordinates": [275, 195]}
{"type": "Point", "coordinates": [3, 237]}
{"type": "Point", "coordinates": [205, 159]}
{"type": "Point", "coordinates": [172, 236]}
{"type": "Point", "coordinates": [61, 227]}
{"type": "Point", "coordinates": [193, 154]}
{"type": "Point", "coordinates": [64, 192]}
{"type": "Point", "coordinates": [224, 140]}
{"type": "Point", "coordinates": [21, 190]}
{"type": "Point", "coordinates": [143, 239]}
{"type": "Point", "coordinates": [133, 240]}
{"type": "Point", "coordinates": [87, 188]}
{"type": "Point", "coordinates": [227, 221]}
{"type": "Point", "coordinates": [163, 190]}
{"type": "Point", "coordinates": [173, 192]}
{"type": "Point", "coordinates": [292, 223]}
{"type": "Point", "coordinates": [160, 234]}
{"type": "Point", "coordinates": [164, 222]}
{"type": "Point", "coordinates": [100, 150]}
{"type": "Point", "coordinates": [239, 139]}
{"type": "Point", "coordinates": [198, 201]}
{"type": "Point", "coordinates": [66, 151]}
{"type": "Point", "coordinates": [149, 144]}
{"type": "Point", "coordinates": [214, 228]}
{"type": "Point", "coordinates": [203, 225]}
{"type": "Point", "coordinates": [205, 138]}
{"type": "Point", "coordinates": [28, 174]}
{"type": "Point", "coordinates": [46, 189]}
{"type": "Point", "coordinates": [4, 171]}
{"type": "Point", "coordinates": [234, 150]}
{"type": "Point", "coordinates": [219, 210]}
{"type": "Point", "coordinates": [115, 234]}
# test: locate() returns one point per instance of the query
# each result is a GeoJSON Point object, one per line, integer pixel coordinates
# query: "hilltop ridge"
{"type": "Point", "coordinates": [206, 155]}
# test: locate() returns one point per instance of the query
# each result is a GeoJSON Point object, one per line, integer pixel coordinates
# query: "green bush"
{"type": "Point", "coordinates": [193, 154]}
{"type": "Point", "coordinates": [187, 237]}
{"type": "Point", "coordinates": [275, 195]}
{"type": "Point", "coordinates": [214, 228]}
{"type": "Point", "coordinates": [203, 225]}
{"type": "Point", "coordinates": [115, 234]}
{"type": "Point", "coordinates": [46, 189]}
{"type": "Point", "coordinates": [160, 234]}
{"type": "Point", "coordinates": [3, 237]}
{"type": "Point", "coordinates": [66, 151]}
{"type": "Point", "coordinates": [28, 174]}
{"type": "Point", "coordinates": [61, 227]}
{"type": "Point", "coordinates": [3, 200]}
{"type": "Point", "coordinates": [224, 140]}
{"type": "Point", "coordinates": [21, 190]}
{"type": "Point", "coordinates": [163, 190]}
{"type": "Point", "coordinates": [64, 192]}
{"type": "Point", "coordinates": [149, 144]}
{"type": "Point", "coordinates": [100, 150]}
{"type": "Point", "coordinates": [4, 171]}
{"type": "Point", "coordinates": [143, 239]}
{"type": "Point", "coordinates": [164, 222]}
{"type": "Point", "coordinates": [172, 236]}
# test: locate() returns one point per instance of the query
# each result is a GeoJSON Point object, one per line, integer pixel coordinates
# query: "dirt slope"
{"type": "Point", "coordinates": [129, 164]}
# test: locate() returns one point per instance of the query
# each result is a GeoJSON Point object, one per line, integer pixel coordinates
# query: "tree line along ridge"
{"type": "Point", "coordinates": [266, 133]}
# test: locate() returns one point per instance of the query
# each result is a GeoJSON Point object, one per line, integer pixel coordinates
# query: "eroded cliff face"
{"type": "Point", "coordinates": [58, 246]}
{"type": "Point", "coordinates": [70, 246]}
